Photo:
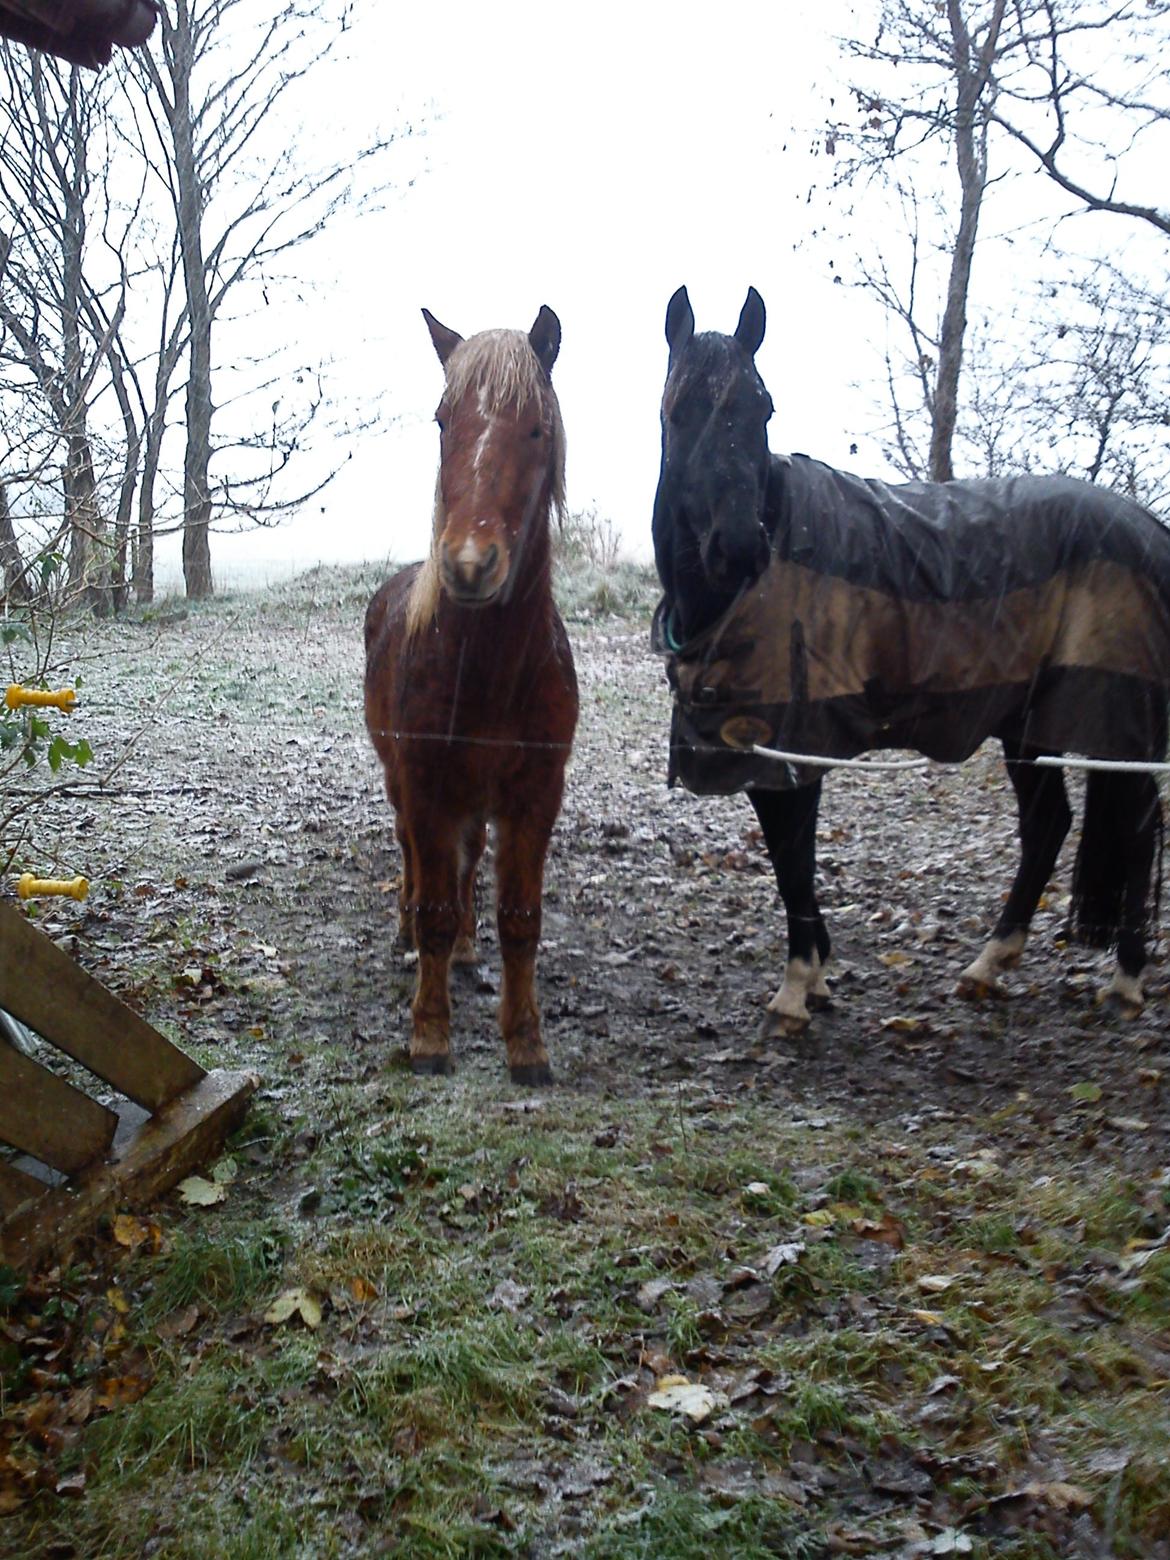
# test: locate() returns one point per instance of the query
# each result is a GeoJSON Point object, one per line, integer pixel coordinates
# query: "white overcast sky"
{"type": "Point", "coordinates": [591, 158]}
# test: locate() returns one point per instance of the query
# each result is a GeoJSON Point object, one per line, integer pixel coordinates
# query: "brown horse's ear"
{"type": "Point", "coordinates": [545, 337]}
{"type": "Point", "coordinates": [680, 322]}
{"type": "Point", "coordinates": [445, 340]}
{"type": "Point", "coordinates": [752, 318]}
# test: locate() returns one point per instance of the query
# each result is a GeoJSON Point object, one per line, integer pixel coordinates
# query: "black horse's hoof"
{"type": "Point", "coordinates": [437, 1065]}
{"type": "Point", "coordinates": [532, 1075]}
{"type": "Point", "coordinates": [783, 1026]}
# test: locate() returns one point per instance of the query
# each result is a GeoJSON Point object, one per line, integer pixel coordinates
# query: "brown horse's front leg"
{"type": "Point", "coordinates": [521, 847]}
{"type": "Point", "coordinates": [436, 915]}
{"type": "Point", "coordinates": [473, 843]}
{"type": "Point", "coordinates": [408, 890]}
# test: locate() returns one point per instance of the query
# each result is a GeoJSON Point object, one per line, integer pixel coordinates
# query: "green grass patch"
{"type": "Point", "coordinates": [495, 1320]}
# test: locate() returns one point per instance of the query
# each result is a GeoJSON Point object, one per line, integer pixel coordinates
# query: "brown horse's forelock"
{"type": "Point", "coordinates": [501, 366]}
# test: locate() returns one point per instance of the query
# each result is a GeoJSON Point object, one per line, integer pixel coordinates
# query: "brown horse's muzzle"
{"type": "Point", "coordinates": [473, 572]}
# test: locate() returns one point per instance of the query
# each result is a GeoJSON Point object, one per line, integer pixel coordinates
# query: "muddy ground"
{"type": "Point", "coordinates": [244, 875]}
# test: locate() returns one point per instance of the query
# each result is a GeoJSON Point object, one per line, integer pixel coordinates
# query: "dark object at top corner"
{"type": "Point", "coordinates": [83, 32]}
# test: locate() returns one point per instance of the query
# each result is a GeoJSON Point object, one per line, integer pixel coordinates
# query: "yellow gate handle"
{"type": "Point", "coordinates": [64, 699]}
{"type": "Point", "coordinates": [73, 888]}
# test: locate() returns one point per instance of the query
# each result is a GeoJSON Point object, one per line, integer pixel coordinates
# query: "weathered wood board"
{"type": "Point", "coordinates": [44, 988]}
{"type": "Point", "coordinates": [189, 1111]}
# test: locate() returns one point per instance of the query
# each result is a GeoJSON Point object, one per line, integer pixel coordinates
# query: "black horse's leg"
{"type": "Point", "coordinates": [1044, 822]}
{"type": "Point", "coordinates": [1139, 806]}
{"type": "Point", "coordinates": [789, 822]}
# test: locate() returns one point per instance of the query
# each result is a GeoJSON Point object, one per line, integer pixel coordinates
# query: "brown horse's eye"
{"type": "Point", "coordinates": [441, 422]}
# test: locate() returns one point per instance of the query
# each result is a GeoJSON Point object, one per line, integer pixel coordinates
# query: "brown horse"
{"type": "Point", "coordinates": [471, 696]}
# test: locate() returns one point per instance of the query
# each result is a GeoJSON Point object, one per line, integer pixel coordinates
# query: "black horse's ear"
{"type": "Point", "coordinates": [545, 337]}
{"type": "Point", "coordinates": [752, 318]}
{"type": "Point", "coordinates": [680, 322]}
{"type": "Point", "coordinates": [445, 340]}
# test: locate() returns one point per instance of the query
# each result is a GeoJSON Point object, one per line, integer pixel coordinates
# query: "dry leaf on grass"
{"type": "Point", "coordinates": [132, 1232]}
{"type": "Point", "coordinates": [294, 1302]}
{"type": "Point", "coordinates": [200, 1192]}
{"type": "Point", "coordinates": [677, 1395]}
{"type": "Point", "coordinates": [785, 1254]}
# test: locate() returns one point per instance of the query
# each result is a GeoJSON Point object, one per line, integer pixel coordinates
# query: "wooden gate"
{"type": "Point", "coordinates": [85, 1158]}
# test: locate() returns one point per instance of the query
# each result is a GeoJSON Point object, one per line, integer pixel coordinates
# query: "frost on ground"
{"type": "Point", "coordinates": [244, 878]}
{"type": "Point", "coordinates": [898, 1288]}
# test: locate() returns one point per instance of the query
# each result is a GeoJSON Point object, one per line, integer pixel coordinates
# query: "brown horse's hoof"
{"type": "Point", "coordinates": [437, 1064]}
{"type": "Point", "coordinates": [532, 1075]}
{"type": "Point", "coordinates": [464, 953]}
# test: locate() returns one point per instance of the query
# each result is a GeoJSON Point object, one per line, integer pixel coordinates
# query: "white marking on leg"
{"type": "Point", "coordinates": [1127, 989]}
{"type": "Point", "coordinates": [1001, 953]}
{"type": "Point", "coordinates": [791, 1002]}
{"type": "Point", "coordinates": [820, 986]}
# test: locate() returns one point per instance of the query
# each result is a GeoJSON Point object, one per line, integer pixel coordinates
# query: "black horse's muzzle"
{"type": "Point", "coordinates": [734, 552]}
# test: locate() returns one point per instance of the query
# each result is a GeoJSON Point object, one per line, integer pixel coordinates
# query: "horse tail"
{"type": "Point", "coordinates": [1113, 814]}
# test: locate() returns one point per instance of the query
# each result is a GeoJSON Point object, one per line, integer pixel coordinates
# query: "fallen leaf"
{"type": "Point", "coordinates": [508, 1296]}
{"type": "Point", "coordinates": [1085, 1093]}
{"type": "Point", "coordinates": [179, 1323]}
{"type": "Point", "coordinates": [951, 1542]}
{"type": "Point", "coordinates": [200, 1192]}
{"type": "Point", "coordinates": [132, 1232]}
{"type": "Point", "coordinates": [935, 1283]}
{"type": "Point", "coordinates": [677, 1395]}
{"type": "Point", "coordinates": [907, 1024]}
{"type": "Point", "coordinates": [362, 1290]}
{"type": "Point", "coordinates": [887, 1230]}
{"type": "Point", "coordinates": [115, 1391]}
{"type": "Point", "coordinates": [784, 1255]}
{"type": "Point", "coordinates": [651, 1292]}
{"type": "Point", "coordinates": [294, 1302]}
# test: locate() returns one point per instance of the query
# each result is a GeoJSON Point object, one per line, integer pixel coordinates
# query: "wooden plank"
{"type": "Point", "coordinates": [48, 1118]}
{"type": "Point", "coordinates": [44, 988]}
{"type": "Point", "coordinates": [17, 1188]}
{"type": "Point", "coordinates": [180, 1138]}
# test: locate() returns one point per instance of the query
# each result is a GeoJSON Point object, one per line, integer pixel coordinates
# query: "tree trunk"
{"type": "Point", "coordinates": [13, 574]}
{"type": "Point", "coordinates": [197, 459]}
{"type": "Point", "coordinates": [144, 542]}
{"type": "Point", "coordinates": [90, 554]}
{"type": "Point", "coordinates": [972, 77]}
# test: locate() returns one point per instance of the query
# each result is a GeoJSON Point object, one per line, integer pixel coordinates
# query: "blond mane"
{"type": "Point", "coordinates": [500, 366]}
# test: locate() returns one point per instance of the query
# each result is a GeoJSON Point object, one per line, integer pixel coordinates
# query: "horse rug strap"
{"type": "Point", "coordinates": [931, 617]}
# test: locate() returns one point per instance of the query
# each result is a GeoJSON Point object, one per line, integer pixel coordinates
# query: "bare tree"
{"type": "Point", "coordinates": [57, 323]}
{"type": "Point", "coordinates": [952, 50]}
{"type": "Point", "coordinates": [215, 108]}
{"type": "Point", "coordinates": [1090, 100]}
{"type": "Point", "coordinates": [981, 79]}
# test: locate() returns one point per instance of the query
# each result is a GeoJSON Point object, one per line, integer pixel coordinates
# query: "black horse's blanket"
{"type": "Point", "coordinates": [929, 616]}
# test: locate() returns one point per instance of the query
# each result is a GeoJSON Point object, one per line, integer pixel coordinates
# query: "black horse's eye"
{"type": "Point", "coordinates": [536, 432]}
{"type": "Point", "coordinates": [441, 420]}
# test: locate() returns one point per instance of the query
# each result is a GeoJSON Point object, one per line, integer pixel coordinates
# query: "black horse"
{"type": "Point", "coordinates": [813, 612]}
